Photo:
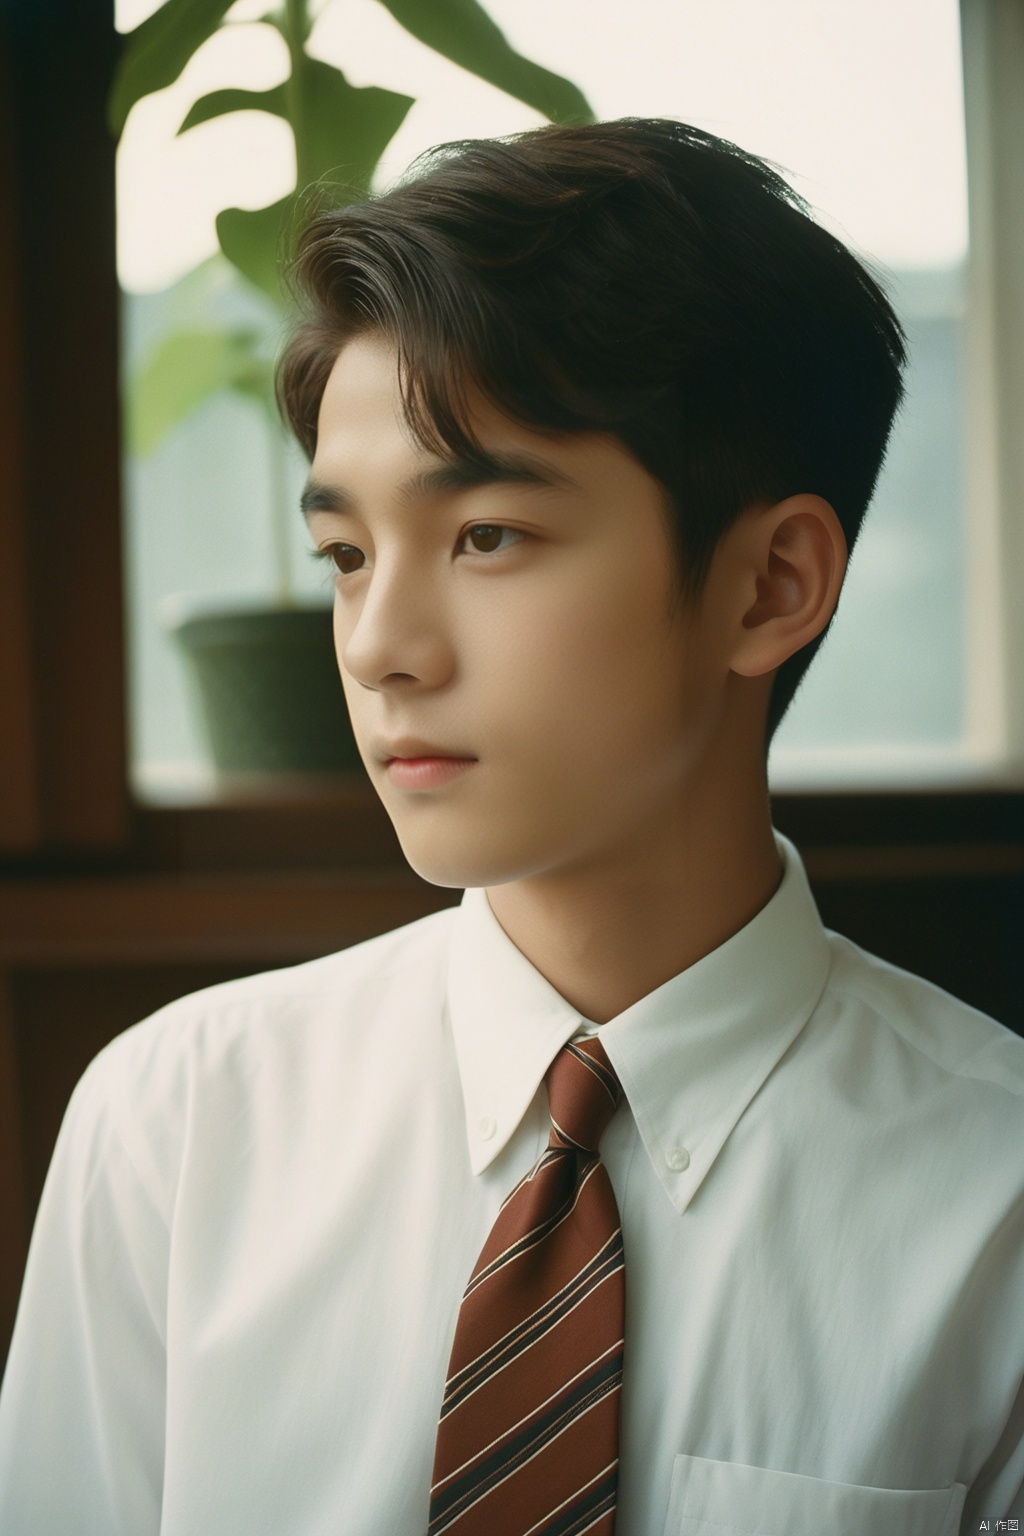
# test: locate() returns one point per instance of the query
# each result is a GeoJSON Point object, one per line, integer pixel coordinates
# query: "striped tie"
{"type": "Point", "coordinates": [528, 1440]}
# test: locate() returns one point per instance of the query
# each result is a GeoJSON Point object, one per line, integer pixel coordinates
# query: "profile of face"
{"type": "Point", "coordinates": [528, 695]}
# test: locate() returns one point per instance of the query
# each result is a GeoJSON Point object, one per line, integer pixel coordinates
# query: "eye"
{"type": "Point", "coordinates": [490, 538]}
{"type": "Point", "coordinates": [345, 558]}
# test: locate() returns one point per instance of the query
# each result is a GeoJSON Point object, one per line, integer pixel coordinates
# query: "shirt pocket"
{"type": "Point", "coordinates": [724, 1498]}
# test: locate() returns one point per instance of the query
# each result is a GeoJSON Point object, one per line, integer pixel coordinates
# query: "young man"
{"type": "Point", "coordinates": [594, 415]}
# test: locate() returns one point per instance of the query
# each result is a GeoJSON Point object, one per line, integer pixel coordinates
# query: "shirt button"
{"type": "Point", "coordinates": [678, 1159]}
{"type": "Point", "coordinates": [488, 1126]}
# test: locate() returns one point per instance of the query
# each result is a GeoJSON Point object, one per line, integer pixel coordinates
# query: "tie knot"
{"type": "Point", "coordinates": [583, 1094]}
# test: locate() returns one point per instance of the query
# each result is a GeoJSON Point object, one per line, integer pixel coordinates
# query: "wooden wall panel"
{"type": "Point", "coordinates": [964, 934]}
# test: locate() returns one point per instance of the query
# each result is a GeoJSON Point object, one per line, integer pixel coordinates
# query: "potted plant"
{"type": "Point", "coordinates": [266, 676]}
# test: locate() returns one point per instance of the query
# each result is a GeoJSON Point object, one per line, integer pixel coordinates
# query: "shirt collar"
{"type": "Point", "coordinates": [690, 1055]}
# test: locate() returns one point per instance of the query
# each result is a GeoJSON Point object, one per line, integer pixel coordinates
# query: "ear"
{"type": "Point", "coordinates": [793, 559]}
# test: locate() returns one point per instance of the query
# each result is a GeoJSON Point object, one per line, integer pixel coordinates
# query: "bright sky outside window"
{"type": "Point", "coordinates": [860, 104]}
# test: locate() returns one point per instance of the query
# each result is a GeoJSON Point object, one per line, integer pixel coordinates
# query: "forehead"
{"type": "Point", "coordinates": [362, 389]}
{"type": "Point", "coordinates": [362, 428]}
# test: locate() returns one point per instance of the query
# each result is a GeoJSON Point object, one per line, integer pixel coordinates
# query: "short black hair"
{"type": "Point", "coordinates": [637, 277]}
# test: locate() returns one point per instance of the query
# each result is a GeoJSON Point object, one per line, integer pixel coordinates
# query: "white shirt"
{"type": "Point", "coordinates": [266, 1200]}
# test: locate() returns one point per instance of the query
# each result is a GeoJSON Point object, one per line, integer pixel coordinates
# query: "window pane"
{"type": "Point", "coordinates": [862, 109]}
{"type": "Point", "coordinates": [885, 701]}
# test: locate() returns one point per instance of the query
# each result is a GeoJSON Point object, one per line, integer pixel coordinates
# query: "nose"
{"type": "Point", "coordinates": [398, 635]}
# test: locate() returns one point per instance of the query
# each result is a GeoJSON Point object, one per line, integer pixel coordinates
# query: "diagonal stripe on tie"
{"type": "Point", "coordinates": [527, 1441]}
{"type": "Point", "coordinates": [519, 1448]}
{"type": "Point", "coordinates": [536, 1234]}
{"type": "Point", "coordinates": [536, 1326]}
{"type": "Point", "coordinates": [582, 1511]}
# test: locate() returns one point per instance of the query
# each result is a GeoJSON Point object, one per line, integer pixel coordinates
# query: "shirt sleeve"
{"type": "Point", "coordinates": [82, 1406]}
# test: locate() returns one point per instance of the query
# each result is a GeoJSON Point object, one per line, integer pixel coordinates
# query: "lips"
{"type": "Point", "coordinates": [416, 765]}
{"type": "Point", "coordinates": [412, 749]}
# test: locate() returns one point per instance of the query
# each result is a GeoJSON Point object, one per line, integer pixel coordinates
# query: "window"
{"type": "Point", "coordinates": [862, 107]}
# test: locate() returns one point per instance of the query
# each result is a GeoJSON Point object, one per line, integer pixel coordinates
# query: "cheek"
{"type": "Point", "coordinates": [601, 666]}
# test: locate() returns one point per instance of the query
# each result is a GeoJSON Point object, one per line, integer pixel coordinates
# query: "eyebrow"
{"type": "Point", "coordinates": [456, 474]}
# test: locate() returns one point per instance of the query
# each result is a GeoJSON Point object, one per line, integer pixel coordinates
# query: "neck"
{"type": "Point", "coordinates": [607, 935]}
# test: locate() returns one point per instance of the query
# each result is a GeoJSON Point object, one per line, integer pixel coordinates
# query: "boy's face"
{"type": "Point", "coordinates": [528, 697]}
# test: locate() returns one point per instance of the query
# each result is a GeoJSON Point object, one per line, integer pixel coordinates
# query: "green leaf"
{"type": "Point", "coordinates": [344, 129]}
{"type": "Point", "coordinates": [154, 55]}
{"type": "Point", "coordinates": [253, 240]}
{"type": "Point", "coordinates": [218, 103]}
{"type": "Point", "coordinates": [184, 370]}
{"type": "Point", "coordinates": [343, 132]}
{"type": "Point", "coordinates": [462, 31]}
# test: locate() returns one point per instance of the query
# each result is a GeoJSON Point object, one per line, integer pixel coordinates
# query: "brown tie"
{"type": "Point", "coordinates": [528, 1440]}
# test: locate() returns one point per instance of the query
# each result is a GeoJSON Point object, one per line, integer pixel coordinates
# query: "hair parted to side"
{"type": "Point", "coordinates": [637, 277]}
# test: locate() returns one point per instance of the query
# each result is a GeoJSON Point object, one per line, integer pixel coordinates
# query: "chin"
{"type": "Point", "coordinates": [442, 868]}
{"type": "Point", "coordinates": [440, 872]}
{"type": "Point", "coordinates": [447, 862]}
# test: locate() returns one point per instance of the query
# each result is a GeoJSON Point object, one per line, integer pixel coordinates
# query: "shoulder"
{"type": "Point", "coordinates": [906, 1105]}
{"type": "Point", "coordinates": [258, 1050]}
{"type": "Point", "coordinates": [916, 1094]}
{"type": "Point", "coordinates": [339, 986]}
{"type": "Point", "coordinates": [951, 1039]}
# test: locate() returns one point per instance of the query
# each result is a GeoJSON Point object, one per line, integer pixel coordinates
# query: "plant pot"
{"type": "Point", "coordinates": [268, 688]}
